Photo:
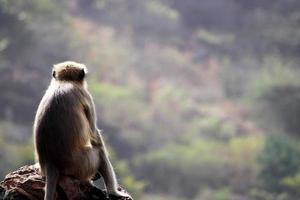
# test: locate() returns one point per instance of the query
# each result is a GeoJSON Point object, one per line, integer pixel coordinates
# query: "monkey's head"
{"type": "Point", "coordinates": [69, 71]}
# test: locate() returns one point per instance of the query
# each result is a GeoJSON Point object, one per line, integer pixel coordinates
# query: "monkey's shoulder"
{"type": "Point", "coordinates": [65, 94]}
{"type": "Point", "coordinates": [67, 89]}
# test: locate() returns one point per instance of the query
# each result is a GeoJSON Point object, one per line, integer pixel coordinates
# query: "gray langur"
{"type": "Point", "coordinates": [67, 140]}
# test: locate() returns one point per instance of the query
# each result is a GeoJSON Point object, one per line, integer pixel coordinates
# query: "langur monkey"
{"type": "Point", "coordinates": [67, 140]}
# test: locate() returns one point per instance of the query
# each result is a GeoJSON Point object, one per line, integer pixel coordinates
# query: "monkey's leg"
{"type": "Point", "coordinates": [52, 175]}
{"type": "Point", "coordinates": [84, 163]}
{"type": "Point", "coordinates": [108, 174]}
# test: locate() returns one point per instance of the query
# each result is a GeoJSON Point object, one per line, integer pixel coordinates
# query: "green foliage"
{"type": "Point", "coordinates": [107, 97]}
{"type": "Point", "coordinates": [15, 148]}
{"type": "Point", "coordinates": [279, 161]}
{"type": "Point", "coordinates": [292, 181]}
{"type": "Point", "coordinates": [108, 93]}
{"type": "Point", "coordinates": [159, 8]}
{"type": "Point", "coordinates": [276, 96]}
{"type": "Point", "coordinates": [161, 197]}
{"type": "Point", "coordinates": [127, 180]}
{"type": "Point", "coordinates": [237, 75]}
{"type": "Point", "coordinates": [282, 104]}
{"type": "Point", "coordinates": [200, 164]}
{"type": "Point", "coordinates": [217, 194]}
{"type": "Point", "coordinates": [133, 186]}
{"type": "Point", "coordinates": [261, 194]}
{"type": "Point", "coordinates": [214, 38]}
{"type": "Point", "coordinates": [24, 36]}
{"type": "Point", "coordinates": [274, 72]}
{"type": "Point", "coordinates": [212, 127]}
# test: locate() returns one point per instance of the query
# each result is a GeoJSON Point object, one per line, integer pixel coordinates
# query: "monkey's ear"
{"type": "Point", "coordinates": [53, 74]}
{"type": "Point", "coordinates": [81, 74]}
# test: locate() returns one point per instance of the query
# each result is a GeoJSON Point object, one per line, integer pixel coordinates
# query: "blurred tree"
{"type": "Point", "coordinates": [279, 159]}
{"type": "Point", "coordinates": [199, 164]}
{"type": "Point", "coordinates": [283, 103]}
{"type": "Point", "coordinates": [276, 97]}
{"type": "Point", "coordinates": [28, 50]}
{"type": "Point", "coordinates": [258, 26]}
{"type": "Point", "coordinates": [211, 14]}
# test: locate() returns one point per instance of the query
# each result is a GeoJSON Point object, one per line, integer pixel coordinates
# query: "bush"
{"type": "Point", "coordinates": [199, 164]}
{"type": "Point", "coordinates": [279, 159]}
{"type": "Point", "coordinates": [276, 94]}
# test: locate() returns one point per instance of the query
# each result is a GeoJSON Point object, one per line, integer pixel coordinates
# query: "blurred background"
{"type": "Point", "coordinates": [197, 99]}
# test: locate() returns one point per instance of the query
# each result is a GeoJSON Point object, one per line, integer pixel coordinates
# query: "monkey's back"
{"type": "Point", "coordinates": [60, 124]}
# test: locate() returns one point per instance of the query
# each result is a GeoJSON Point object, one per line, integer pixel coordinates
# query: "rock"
{"type": "Point", "coordinates": [27, 183]}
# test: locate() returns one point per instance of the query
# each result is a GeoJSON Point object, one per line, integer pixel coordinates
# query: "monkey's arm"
{"type": "Point", "coordinates": [90, 113]}
{"type": "Point", "coordinates": [107, 172]}
{"type": "Point", "coordinates": [105, 169]}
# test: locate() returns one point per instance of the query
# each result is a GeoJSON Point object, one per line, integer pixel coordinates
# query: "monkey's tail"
{"type": "Point", "coordinates": [52, 175]}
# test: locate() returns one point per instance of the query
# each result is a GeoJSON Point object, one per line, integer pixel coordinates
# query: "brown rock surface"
{"type": "Point", "coordinates": [27, 183]}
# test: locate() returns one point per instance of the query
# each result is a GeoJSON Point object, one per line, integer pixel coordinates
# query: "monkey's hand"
{"type": "Point", "coordinates": [96, 139]}
{"type": "Point", "coordinates": [120, 194]}
{"type": "Point", "coordinates": [95, 142]}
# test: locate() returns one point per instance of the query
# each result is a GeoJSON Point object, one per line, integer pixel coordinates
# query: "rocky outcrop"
{"type": "Point", "coordinates": [27, 183]}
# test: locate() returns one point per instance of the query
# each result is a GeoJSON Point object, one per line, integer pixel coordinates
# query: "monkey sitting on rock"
{"type": "Point", "coordinates": [67, 140]}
